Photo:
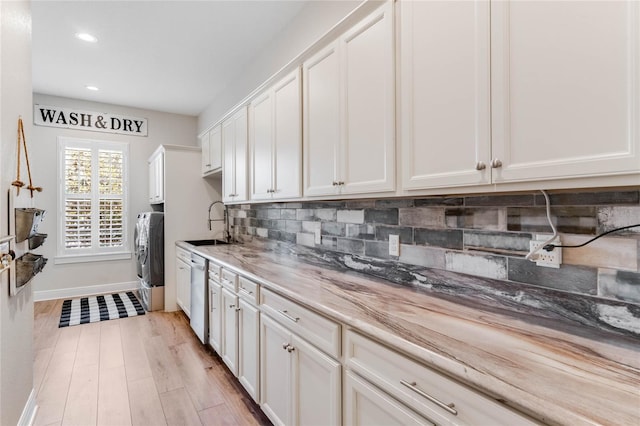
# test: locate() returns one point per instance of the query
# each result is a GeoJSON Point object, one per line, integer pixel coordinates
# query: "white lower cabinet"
{"type": "Point", "coordinates": [248, 344]}
{"type": "Point", "coordinates": [299, 384]}
{"type": "Point", "coordinates": [421, 389]}
{"type": "Point", "coordinates": [288, 358]}
{"type": "Point", "coordinates": [215, 318]}
{"type": "Point", "coordinates": [229, 352]}
{"type": "Point", "coordinates": [275, 372]}
{"type": "Point", "coordinates": [183, 280]}
{"type": "Point", "coordinates": [316, 385]}
{"type": "Point", "coordinates": [366, 405]}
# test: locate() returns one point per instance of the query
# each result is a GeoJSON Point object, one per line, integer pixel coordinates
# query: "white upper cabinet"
{"type": "Point", "coordinates": [444, 112]}
{"type": "Point", "coordinates": [234, 141]}
{"type": "Point", "coordinates": [565, 89]}
{"type": "Point", "coordinates": [348, 112]}
{"type": "Point", "coordinates": [156, 177]}
{"type": "Point", "coordinates": [321, 121]}
{"type": "Point", "coordinates": [275, 141]}
{"type": "Point", "coordinates": [519, 91]}
{"type": "Point", "coordinates": [212, 151]}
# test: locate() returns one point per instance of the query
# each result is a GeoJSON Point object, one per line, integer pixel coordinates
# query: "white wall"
{"type": "Point", "coordinates": [59, 280]}
{"type": "Point", "coordinates": [313, 21]}
{"type": "Point", "coordinates": [16, 313]}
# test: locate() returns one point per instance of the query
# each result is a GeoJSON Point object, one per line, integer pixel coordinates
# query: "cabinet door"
{"type": "Point", "coordinates": [321, 121]}
{"type": "Point", "coordinates": [287, 137]}
{"type": "Point", "coordinates": [367, 152]}
{"type": "Point", "coordinates": [215, 148]}
{"type": "Point", "coordinates": [183, 286]}
{"type": "Point", "coordinates": [229, 160]}
{"type": "Point", "coordinates": [565, 89]}
{"type": "Point", "coordinates": [152, 181]}
{"type": "Point", "coordinates": [230, 330]}
{"type": "Point", "coordinates": [261, 146]}
{"type": "Point", "coordinates": [275, 372]}
{"type": "Point", "coordinates": [317, 385]}
{"type": "Point", "coordinates": [215, 315]}
{"type": "Point", "coordinates": [445, 133]}
{"type": "Point", "coordinates": [205, 143]}
{"type": "Point", "coordinates": [248, 348]}
{"type": "Point", "coordinates": [159, 169]}
{"type": "Point", "coordinates": [156, 179]}
{"type": "Point", "coordinates": [366, 405]}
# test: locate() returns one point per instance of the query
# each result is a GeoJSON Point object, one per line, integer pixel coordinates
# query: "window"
{"type": "Point", "coordinates": [93, 200]}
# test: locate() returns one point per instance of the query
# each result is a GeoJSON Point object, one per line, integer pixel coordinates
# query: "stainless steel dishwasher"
{"type": "Point", "coordinates": [199, 301]}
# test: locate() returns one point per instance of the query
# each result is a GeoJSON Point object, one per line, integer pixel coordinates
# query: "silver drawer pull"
{"type": "Point", "coordinates": [289, 317]}
{"type": "Point", "coordinates": [245, 291]}
{"type": "Point", "coordinates": [414, 387]}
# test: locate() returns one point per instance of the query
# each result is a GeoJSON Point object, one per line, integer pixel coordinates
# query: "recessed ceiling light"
{"type": "Point", "coordinates": [94, 88]}
{"type": "Point", "coordinates": [86, 37]}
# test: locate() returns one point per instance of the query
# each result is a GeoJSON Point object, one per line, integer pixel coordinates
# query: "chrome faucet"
{"type": "Point", "coordinates": [225, 219]}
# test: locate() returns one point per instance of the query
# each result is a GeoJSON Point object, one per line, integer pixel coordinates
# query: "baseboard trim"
{"type": "Point", "coordinates": [65, 293]}
{"type": "Point", "coordinates": [29, 412]}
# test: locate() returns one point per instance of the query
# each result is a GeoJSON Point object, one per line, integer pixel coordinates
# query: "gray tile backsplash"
{"type": "Point", "coordinates": [482, 235]}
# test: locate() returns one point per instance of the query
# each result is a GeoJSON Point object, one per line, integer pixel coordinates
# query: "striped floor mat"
{"type": "Point", "coordinates": [99, 308]}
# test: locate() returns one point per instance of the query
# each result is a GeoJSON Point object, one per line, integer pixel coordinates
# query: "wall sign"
{"type": "Point", "coordinates": [88, 120]}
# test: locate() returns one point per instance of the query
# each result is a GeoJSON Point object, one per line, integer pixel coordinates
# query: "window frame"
{"type": "Point", "coordinates": [95, 252]}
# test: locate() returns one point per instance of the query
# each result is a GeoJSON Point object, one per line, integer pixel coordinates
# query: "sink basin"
{"type": "Point", "coordinates": [206, 242]}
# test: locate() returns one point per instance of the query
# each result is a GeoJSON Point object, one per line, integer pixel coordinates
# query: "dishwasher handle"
{"type": "Point", "coordinates": [198, 262]}
{"type": "Point", "coordinates": [197, 265]}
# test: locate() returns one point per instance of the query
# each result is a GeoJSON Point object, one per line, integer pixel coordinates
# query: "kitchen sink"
{"type": "Point", "coordinates": [206, 242]}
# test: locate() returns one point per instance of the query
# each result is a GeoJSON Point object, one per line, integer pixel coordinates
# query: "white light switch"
{"type": "Point", "coordinates": [394, 245]}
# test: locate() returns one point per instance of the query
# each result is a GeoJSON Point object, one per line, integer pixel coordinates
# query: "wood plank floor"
{"type": "Point", "coordinates": [147, 370]}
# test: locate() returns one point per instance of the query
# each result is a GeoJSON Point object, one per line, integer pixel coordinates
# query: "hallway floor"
{"type": "Point", "coordinates": [147, 370]}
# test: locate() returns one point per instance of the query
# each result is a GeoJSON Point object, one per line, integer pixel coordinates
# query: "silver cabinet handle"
{"type": "Point", "coordinates": [334, 183]}
{"type": "Point", "coordinates": [340, 183]}
{"type": "Point", "coordinates": [287, 347]}
{"type": "Point", "coordinates": [285, 314]}
{"type": "Point", "coordinates": [496, 163]}
{"type": "Point", "coordinates": [245, 291]}
{"type": "Point", "coordinates": [480, 165]}
{"type": "Point", "coordinates": [238, 309]}
{"type": "Point", "coordinates": [414, 387]}
{"type": "Point", "coordinates": [232, 306]}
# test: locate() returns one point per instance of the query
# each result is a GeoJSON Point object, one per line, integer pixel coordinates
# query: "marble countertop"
{"type": "Point", "coordinates": [524, 348]}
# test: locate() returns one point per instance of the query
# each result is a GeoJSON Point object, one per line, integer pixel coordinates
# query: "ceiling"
{"type": "Point", "coordinates": [172, 56]}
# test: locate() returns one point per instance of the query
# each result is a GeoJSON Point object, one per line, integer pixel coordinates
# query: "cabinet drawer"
{"type": "Point", "coordinates": [426, 391]}
{"type": "Point", "coordinates": [320, 331]}
{"type": "Point", "coordinates": [248, 290]}
{"type": "Point", "coordinates": [229, 280]}
{"type": "Point", "coordinates": [214, 271]}
{"type": "Point", "coordinates": [183, 255]}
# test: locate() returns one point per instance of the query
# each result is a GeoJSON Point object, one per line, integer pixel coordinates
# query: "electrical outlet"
{"type": "Point", "coordinates": [549, 259]}
{"type": "Point", "coordinates": [394, 245]}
